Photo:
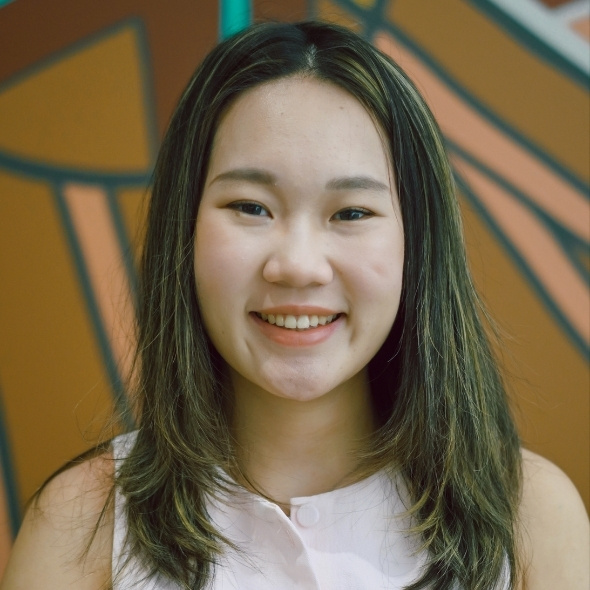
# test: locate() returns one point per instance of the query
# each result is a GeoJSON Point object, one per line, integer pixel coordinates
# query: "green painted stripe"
{"type": "Point", "coordinates": [571, 244]}
{"type": "Point", "coordinates": [234, 15]}
{"type": "Point", "coordinates": [522, 265]}
{"type": "Point", "coordinates": [5, 2]}
{"type": "Point", "coordinates": [8, 474]}
{"type": "Point", "coordinates": [117, 385]}
{"type": "Point", "coordinates": [59, 174]}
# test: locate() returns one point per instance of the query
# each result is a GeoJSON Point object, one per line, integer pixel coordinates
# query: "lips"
{"type": "Point", "coordinates": [302, 326]}
{"type": "Point", "coordinates": [297, 322]}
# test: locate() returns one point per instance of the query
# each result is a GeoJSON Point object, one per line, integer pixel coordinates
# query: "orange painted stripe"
{"type": "Point", "coordinates": [536, 245]}
{"type": "Point", "coordinates": [462, 124]}
{"type": "Point", "coordinates": [92, 219]}
{"type": "Point", "coordinates": [582, 27]}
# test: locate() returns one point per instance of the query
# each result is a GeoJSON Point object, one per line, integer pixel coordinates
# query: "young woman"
{"type": "Point", "coordinates": [319, 406]}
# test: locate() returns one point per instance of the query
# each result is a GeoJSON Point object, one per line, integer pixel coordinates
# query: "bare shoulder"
{"type": "Point", "coordinates": [50, 549]}
{"type": "Point", "coordinates": [554, 528]}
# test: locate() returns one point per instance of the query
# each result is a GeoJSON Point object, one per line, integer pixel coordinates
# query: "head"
{"type": "Point", "coordinates": [263, 55]}
{"type": "Point", "coordinates": [436, 389]}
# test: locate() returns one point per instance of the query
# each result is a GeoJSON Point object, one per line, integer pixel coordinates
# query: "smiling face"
{"type": "Point", "coordinates": [299, 240]}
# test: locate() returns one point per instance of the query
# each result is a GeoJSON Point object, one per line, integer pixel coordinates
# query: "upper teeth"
{"type": "Point", "coordinates": [297, 322]}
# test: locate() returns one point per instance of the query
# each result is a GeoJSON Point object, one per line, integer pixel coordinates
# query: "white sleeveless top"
{"type": "Point", "coordinates": [350, 539]}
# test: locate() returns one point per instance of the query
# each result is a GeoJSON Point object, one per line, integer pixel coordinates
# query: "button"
{"type": "Point", "coordinates": [307, 515]}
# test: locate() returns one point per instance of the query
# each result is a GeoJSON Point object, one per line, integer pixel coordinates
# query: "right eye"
{"type": "Point", "coordinates": [249, 208]}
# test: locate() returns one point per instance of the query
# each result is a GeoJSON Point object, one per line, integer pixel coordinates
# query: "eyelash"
{"type": "Point", "coordinates": [354, 210]}
{"type": "Point", "coordinates": [248, 207]}
{"type": "Point", "coordinates": [243, 206]}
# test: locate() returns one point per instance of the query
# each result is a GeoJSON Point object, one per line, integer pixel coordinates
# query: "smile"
{"type": "Point", "coordinates": [298, 322]}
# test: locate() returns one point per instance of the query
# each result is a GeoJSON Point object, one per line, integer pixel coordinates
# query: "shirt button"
{"type": "Point", "coordinates": [307, 515]}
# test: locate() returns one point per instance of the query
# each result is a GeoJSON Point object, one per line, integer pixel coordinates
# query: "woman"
{"type": "Point", "coordinates": [319, 406]}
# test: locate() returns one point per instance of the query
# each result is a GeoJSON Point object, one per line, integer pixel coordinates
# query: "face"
{"type": "Point", "coordinates": [299, 240]}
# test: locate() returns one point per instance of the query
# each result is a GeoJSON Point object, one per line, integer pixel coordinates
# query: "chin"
{"type": "Point", "coordinates": [300, 392]}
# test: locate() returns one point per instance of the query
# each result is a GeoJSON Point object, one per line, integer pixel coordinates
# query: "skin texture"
{"type": "Point", "coordinates": [293, 250]}
{"type": "Point", "coordinates": [300, 410]}
{"type": "Point", "coordinates": [298, 215]}
{"type": "Point", "coordinates": [48, 550]}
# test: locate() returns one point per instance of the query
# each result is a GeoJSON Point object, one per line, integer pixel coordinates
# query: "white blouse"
{"type": "Point", "coordinates": [353, 538]}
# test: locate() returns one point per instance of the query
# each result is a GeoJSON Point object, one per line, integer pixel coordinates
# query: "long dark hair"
{"type": "Point", "coordinates": [445, 424]}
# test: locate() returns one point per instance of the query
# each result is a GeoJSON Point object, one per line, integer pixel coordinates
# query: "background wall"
{"type": "Point", "coordinates": [86, 90]}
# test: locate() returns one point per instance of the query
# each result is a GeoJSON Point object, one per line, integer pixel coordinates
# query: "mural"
{"type": "Point", "coordinates": [81, 113]}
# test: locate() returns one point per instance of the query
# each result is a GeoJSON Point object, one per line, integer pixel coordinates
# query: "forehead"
{"type": "Point", "coordinates": [301, 119]}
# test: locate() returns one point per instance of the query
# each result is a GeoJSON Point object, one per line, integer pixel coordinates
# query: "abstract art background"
{"type": "Point", "coordinates": [86, 91]}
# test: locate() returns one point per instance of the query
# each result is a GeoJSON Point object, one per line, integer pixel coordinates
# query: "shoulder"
{"type": "Point", "coordinates": [59, 541]}
{"type": "Point", "coordinates": [554, 528]}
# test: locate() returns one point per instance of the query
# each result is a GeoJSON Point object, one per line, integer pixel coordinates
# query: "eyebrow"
{"type": "Point", "coordinates": [253, 175]}
{"type": "Point", "coordinates": [357, 183]}
{"type": "Point", "coordinates": [263, 177]}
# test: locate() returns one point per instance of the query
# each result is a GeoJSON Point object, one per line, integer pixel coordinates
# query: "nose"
{"type": "Point", "coordinates": [298, 258]}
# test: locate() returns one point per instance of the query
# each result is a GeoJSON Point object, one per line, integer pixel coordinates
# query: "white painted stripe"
{"type": "Point", "coordinates": [541, 21]}
{"type": "Point", "coordinates": [572, 11]}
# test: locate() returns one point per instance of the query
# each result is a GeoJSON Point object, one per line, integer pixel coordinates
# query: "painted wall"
{"type": "Point", "coordinates": [86, 91]}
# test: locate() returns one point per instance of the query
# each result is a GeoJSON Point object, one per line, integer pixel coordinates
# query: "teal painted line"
{"type": "Point", "coordinates": [569, 242]}
{"type": "Point", "coordinates": [117, 386]}
{"type": "Point", "coordinates": [532, 42]}
{"type": "Point", "coordinates": [484, 111]}
{"type": "Point", "coordinates": [373, 18]}
{"type": "Point", "coordinates": [148, 86]}
{"type": "Point", "coordinates": [524, 268]}
{"type": "Point", "coordinates": [124, 242]}
{"type": "Point", "coordinates": [59, 174]}
{"type": "Point", "coordinates": [234, 15]}
{"type": "Point", "coordinates": [5, 2]}
{"type": "Point", "coordinates": [9, 474]}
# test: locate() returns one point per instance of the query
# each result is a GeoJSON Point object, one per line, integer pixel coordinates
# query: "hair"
{"type": "Point", "coordinates": [445, 422]}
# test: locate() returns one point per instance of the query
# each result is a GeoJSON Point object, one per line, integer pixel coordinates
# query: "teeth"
{"type": "Point", "coordinates": [302, 322]}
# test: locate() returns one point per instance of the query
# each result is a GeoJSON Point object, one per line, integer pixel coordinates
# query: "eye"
{"type": "Point", "coordinates": [352, 214]}
{"type": "Point", "coordinates": [249, 208]}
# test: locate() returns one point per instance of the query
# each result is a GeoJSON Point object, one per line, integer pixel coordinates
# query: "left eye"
{"type": "Point", "coordinates": [249, 208]}
{"type": "Point", "coordinates": [352, 214]}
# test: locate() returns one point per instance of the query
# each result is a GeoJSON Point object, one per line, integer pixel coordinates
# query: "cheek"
{"type": "Point", "coordinates": [217, 260]}
{"type": "Point", "coordinates": [379, 272]}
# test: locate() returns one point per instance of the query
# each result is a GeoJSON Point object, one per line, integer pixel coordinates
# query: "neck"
{"type": "Point", "coordinates": [288, 448]}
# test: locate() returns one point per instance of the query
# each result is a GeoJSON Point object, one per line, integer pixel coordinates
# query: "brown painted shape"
{"type": "Point", "coordinates": [530, 95]}
{"type": "Point", "coordinates": [331, 12]}
{"type": "Point", "coordinates": [86, 110]}
{"type": "Point", "coordinates": [56, 395]}
{"type": "Point", "coordinates": [285, 11]}
{"type": "Point", "coordinates": [548, 378]}
{"type": "Point", "coordinates": [179, 33]}
{"type": "Point", "coordinates": [537, 245]}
